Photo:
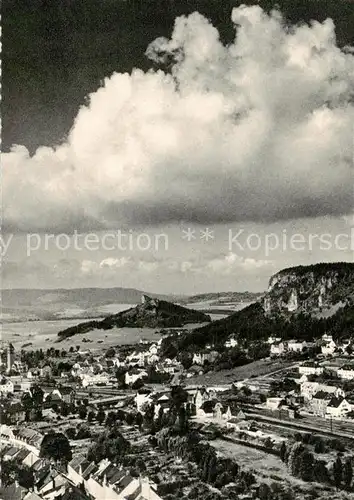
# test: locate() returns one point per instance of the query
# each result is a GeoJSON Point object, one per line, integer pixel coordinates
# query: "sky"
{"type": "Point", "coordinates": [208, 166]}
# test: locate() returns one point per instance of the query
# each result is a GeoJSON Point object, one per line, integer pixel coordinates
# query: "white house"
{"type": "Point", "coordinates": [310, 368]}
{"type": "Point", "coordinates": [274, 403]}
{"type": "Point", "coordinates": [277, 349]}
{"type": "Point", "coordinates": [273, 340]}
{"type": "Point", "coordinates": [6, 386]}
{"type": "Point", "coordinates": [338, 407]}
{"type": "Point", "coordinates": [346, 372]}
{"type": "Point", "coordinates": [133, 375]}
{"type": "Point", "coordinates": [296, 345]}
{"type": "Point", "coordinates": [231, 342]}
{"type": "Point", "coordinates": [88, 379]}
{"type": "Point", "coordinates": [142, 398]}
{"type": "Point", "coordinates": [328, 348]}
{"type": "Point", "coordinates": [309, 389]}
{"type": "Point", "coordinates": [327, 338]}
{"type": "Point", "coordinates": [136, 359]}
{"type": "Point", "coordinates": [201, 357]}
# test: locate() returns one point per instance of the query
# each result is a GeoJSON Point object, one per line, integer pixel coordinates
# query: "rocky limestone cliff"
{"type": "Point", "coordinates": [317, 290]}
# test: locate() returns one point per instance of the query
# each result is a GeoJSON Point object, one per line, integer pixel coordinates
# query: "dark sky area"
{"type": "Point", "coordinates": [55, 52]}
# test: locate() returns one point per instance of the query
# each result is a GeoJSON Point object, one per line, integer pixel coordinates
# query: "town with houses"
{"type": "Point", "coordinates": [118, 423]}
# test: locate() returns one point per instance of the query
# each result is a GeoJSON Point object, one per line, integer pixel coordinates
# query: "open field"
{"type": "Point", "coordinates": [43, 334]}
{"type": "Point", "coordinates": [267, 467]}
{"type": "Point", "coordinates": [252, 370]}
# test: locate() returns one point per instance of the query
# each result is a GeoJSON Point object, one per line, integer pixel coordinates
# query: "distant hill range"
{"type": "Point", "coordinates": [301, 302]}
{"type": "Point", "coordinates": [92, 303]}
{"type": "Point", "coordinates": [151, 313]}
{"type": "Point", "coordinates": [37, 304]}
{"type": "Point", "coordinates": [220, 298]}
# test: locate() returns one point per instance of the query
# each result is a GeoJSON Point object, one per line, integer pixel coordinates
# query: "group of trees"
{"type": "Point", "coordinates": [110, 444]}
{"type": "Point", "coordinates": [55, 446]}
{"type": "Point", "coordinates": [32, 402]}
{"type": "Point", "coordinates": [12, 471]}
{"type": "Point", "coordinates": [212, 469]}
{"type": "Point", "coordinates": [302, 463]}
{"type": "Point", "coordinates": [82, 431]}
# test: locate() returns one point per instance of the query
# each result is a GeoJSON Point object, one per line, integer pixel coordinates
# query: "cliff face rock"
{"type": "Point", "coordinates": [315, 290]}
{"type": "Point", "coordinates": [151, 313]}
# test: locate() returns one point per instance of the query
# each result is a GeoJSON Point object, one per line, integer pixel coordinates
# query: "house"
{"type": "Point", "coordinates": [273, 340]}
{"type": "Point", "coordinates": [346, 372]}
{"type": "Point", "coordinates": [200, 397]}
{"type": "Point", "coordinates": [10, 453]}
{"type": "Point", "coordinates": [228, 414]}
{"type": "Point", "coordinates": [13, 413]}
{"type": "Point", "coordinates": [327, 338]}
{"type": "Point", "coordinates": [45, 371]}
{"type": "Point", "coordinates": [163, 401]}
{"type": "Point", "coordinates": [152, 359]}
{"type": "Point", "coordinates": [275, 403]}
{"type": "Point", "coordinates": [310, 368]}
{"type": "Point", "coordinates": [319, 403]}
{"type": "Point", "coordinates": [217, 412]}
{"type": "Point", "coordinates": [328, 348]}
{"type": "Point", "coordinates": [201, 358]}
{"type": "Point", "coordinates": [33, 373]}
{"type": "Point", "coordinates": [296, 345]}
{"type": "Point", "coordinates": [87, 378]}
{"type": "Point", "coordinates": [345, 343]}
{"type": "Point", "coordinates": [277, 349]}
{"type": "Point", "coordinates": [133, 375]}
{"type": "Point", "coordinates": [53, 482]}
{"type": "Point", "coordinates": [12, 492]}
{"type": "Point", "coordinates": [300, 379]}
{"type": "Point", "coordinates": [65, 394]}
{"type": "Point", "coordinates": [137, 358]}
{"type": "Point", "coordinates": [231, 342]}
{"type": "Point", "coordinates": [115, 483]}
{"type": "Point", "coordinates": [309, 389]}
{"type": "Point", "coordinates": [143, 396]}
{"type": "Point", "coordinates": [338, 407]}
{"type": "Point", "coordinates": [6, 386]}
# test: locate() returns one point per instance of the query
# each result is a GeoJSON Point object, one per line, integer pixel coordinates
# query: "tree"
{"type": "Point", "coordinates": [264, 492]}
{"type": "Point", "coordinates": [138, 384]}
{"type": "Point", "coordinates": [283, 451]}
{"type": "Point", "coordinates": [70, 433]}
{"type": "Point", "coordinates": [338, 471]}
{"type": "Point", "coordinates": [110, 353]}
{"type": "Point", "coordinates": [100, 416]}
{"type": "Point", "coordinates": [111, 419]}
{"type": "Point", "coordinates": [55, 446]}
{"type": "Point", "coordinates": [306, 466]}
{"type": "Point", "coordinates": [83, 431]}
{"type": "Point", "coordinates": [82, 412]}
{"type": "Point", "coordinates": [64, 409]}
{"type": "Point", "coordinates": [91, 416]}
{"type": "Point", "coordinates": [293, 459]}
{"type": "Point", "coordinates": [129, 418]}
{"type": "Point", "coordinates": [348, 473]}
{"type": "Point", "coordinates": [139, 420]}
{"type": "Point", "coordinates": [182, 420]}
{"type": "Point", "coordinates": [179, 396]}
{"type": "Point", "coordinates": [212, 470]}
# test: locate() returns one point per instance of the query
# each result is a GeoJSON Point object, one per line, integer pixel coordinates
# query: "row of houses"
{"type": "Point", "coordinates": [344, 372]}
{"type": "Point", "coordinates": [102, 481]}
{"type": "Point", "coordinates": [328, 346]}
{"type": "Point", "coordinates": [106, 481]}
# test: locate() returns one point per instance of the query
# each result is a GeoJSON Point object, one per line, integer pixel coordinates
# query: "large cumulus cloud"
{"type": "Point", "coordinates": [260, 130]}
